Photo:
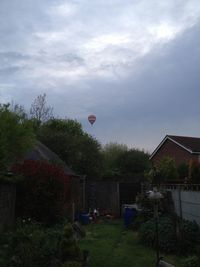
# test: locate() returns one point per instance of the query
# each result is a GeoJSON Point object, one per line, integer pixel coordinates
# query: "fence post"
{"type": "Point", "coordinates": [180, 201]}
{"type": "Point", "coordinates": [118, 199]}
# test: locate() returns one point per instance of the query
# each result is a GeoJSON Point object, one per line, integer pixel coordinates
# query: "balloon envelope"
{"type": "Point", "coordinates": [92, 119]}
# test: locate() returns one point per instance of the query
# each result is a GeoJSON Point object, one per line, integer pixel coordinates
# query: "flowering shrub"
{"type": "Point", "coordinates": [43, 192]}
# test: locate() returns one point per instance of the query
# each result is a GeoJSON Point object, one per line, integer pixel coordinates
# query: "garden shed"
{"type": "Point", "coordinates": [77, 194]}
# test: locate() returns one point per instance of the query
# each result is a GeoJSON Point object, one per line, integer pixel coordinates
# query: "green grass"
{"type": "Point", "coordinates": [110, 245]}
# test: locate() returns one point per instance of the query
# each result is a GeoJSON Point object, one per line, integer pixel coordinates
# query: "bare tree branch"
{"type": "Point", "coordinates": [39, 109]}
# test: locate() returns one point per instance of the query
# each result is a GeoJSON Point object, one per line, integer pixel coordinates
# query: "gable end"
{"type": "Point", "coordinates": [175, 142]}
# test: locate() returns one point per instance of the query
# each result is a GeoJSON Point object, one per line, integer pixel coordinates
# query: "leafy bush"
{"type": "Point", "coordinates": [186, 238]}
{"type": "Point", "coordinates": [140, 219]}
{"type": "Point", "coordinates": [147, 233]}
{"type": "Point", "coordinates": [43, 192]}
{"type": "Point", "coordinates": [166, 232]}
{"type": "Point", "coordinates": [189, 237]}
{"type": "Point", "coordinates": [192, 261]}
{"type": "Point", "coordinates": [32, 245]}
{"type": "Point", "coordinates": [183, 170]}
{"type": "Point", "coordinates": [72, 264]}
{"type": "Point", "coordinates": [143, 202]}
{"type": "Point", "coordinates": [16, 136]}
{"type": "Point", "coordinates": [167, 169]}
{"type": "Point", "coordinates": [194, 171]}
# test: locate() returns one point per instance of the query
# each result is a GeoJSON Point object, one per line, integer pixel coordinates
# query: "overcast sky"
{"type": "Point", "coordinates": [135, 64]}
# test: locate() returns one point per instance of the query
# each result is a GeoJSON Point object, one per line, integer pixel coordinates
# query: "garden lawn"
{"type": "Point", "coordinates": [110, 245]}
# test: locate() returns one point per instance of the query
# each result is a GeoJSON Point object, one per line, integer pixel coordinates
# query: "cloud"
{"type": "Point", "coordinates": [134, 63]}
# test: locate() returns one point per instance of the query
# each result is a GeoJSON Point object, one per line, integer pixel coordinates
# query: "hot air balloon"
{"type": "Point", "coordinates": [91, 119]}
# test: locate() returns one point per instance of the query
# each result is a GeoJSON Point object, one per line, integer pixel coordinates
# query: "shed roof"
{"type": "Point", "coordinates": [42, 152]}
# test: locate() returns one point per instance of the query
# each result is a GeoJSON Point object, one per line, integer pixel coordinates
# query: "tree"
{"type": "Point", "coordinates": [90, 162]}
{"type": "Point", "coordinates": [194, 172]}
{"type": "Point", "coordinates": [183, 170]}
{"type": "Point", "coordinates": [16, 137]}
{"type": "Point", "coordinates": [79, 150]}
{"type": "Point", "coordinates": [110, 153]}
{"type": "Point", "coordinates": [133, 161]}
{"type": "Point", "coordinates": [18, 110]}
{"type": "Point", "coordinates": [167, 169]}
{"type": "Point", "coordinates": [40, 111]}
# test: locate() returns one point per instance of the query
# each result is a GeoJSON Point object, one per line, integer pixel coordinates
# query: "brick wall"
{"type": "Point", "coordinates": [7, 207]}
{"type": "Point", "coordinates": [172, 150]}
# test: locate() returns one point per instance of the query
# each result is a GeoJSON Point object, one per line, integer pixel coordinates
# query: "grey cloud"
{"type": "Point", "coordinates": [162, 99]}
{"type": "Point", "coordinates": [13, 56]}
{"type": "Point", "coordinates": [138, 99]}
{"type": "Point", "coordinates": [71, 58]}
{"type": "Point", "coordinates": [9, 71]}
{"type": "Point", "coordinates": [12, 63]}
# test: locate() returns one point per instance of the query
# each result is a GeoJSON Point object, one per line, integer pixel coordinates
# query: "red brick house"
{"type": "Point", "coordinates": [180, 148]}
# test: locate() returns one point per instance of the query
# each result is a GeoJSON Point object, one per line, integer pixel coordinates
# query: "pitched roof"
{"type": "Point", "coordinates": [191, 144]}
{"type": "Point", "coordinates": [42, 152]}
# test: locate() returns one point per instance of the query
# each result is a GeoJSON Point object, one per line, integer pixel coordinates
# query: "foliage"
{"type": "Point", "coordinates": [167, 169]}
{"type": "Point", "coordinates": [133, 161]}
{"type": "Point", "coordinates": [16, 137]}
{"type": "Point", "coordinates": [43, 192]}
{"type": "Point", "coordinates": [183, 169]}
{"type": "Point", "coordinates": [140, 218]}
{"type": "Point", "coordinates": [110, 153]}
{"type": "Point", "coordinates": [33, 245]}
{"type": "Point", "coordinates": [40, 111]}
{"type": "Point", "coordinates": [18, 110]}
{"type": "Point", "coordinates": [9, 178]}
{"type": "Point", "coordinates": [194, 172]}
{"type": "Point", "coordinates": [119, 160]}
{"type": "Point", "coordinates": [166, 230]}
{"type": "Point", "coordinates": [192, 261]}
{"type": "Point", "coordinates": [189, 237]}
{"type": "Point", "coordinates": [90, 162]}
{"type": "Point", "coordinates": [72, 264]}
{"type": "Point", "coordinates": [79, 150]}
{"type": "Point", "coordinates": [143, 202]}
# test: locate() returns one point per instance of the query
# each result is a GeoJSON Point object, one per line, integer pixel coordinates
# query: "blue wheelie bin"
{"type": "Point", "coordinates": [85, 218]}
{"type": "Point", "coordinates": [129, 214]}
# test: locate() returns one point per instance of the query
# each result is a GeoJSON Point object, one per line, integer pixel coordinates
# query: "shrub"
{"type": "Point", "coordinates": [194, 171]}
{"type": "Point", "coordinates": [192, 261]}
{"type": "Point", "coordinates": [167, 169]}
{"type": "Point", "coordinates": [143, 202]}
{"type": "Point", "coordinates": [16, 136]}
{"type": "Point", "coordinates": [184, 239]}
{"type": "Point", "coordinates": [72, 264]}
{"type": "Point", "coordinates": [147, 233]}
{"type": "Point", "coordinates": [189, 237]}
{"type": "Point", "coordinates": [166, 231]}
{"type": "Point", "coordinates": [140, 219]}
{"type": "Point", "coordinates": [43, 192]}
{"type": "Point", "coordinates": [183, 170]}
{"type": "Point", "coordinates": [32, 245]}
